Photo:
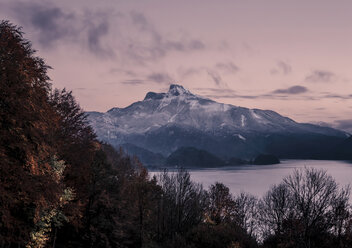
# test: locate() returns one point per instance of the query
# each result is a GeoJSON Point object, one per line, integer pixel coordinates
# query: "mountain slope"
{"type": "Point", "coordinates": [164, 122]}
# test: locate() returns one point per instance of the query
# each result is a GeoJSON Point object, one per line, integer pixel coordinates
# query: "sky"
{"type": "Point", "coordinates": [293, 57]}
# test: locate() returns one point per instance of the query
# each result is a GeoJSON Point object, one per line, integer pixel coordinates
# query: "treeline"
{"type": "Point", "coordinates": [60, 187]}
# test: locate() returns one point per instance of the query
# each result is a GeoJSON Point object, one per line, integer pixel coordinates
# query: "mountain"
{"type": "Point", "coordinates": [164, 122]}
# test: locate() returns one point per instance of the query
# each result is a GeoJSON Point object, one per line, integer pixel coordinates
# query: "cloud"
{"type": "Point", "coordinates": [227, 67]}
{"type": "Point", "coordinates": [297, 89]}
{"type": "Point", "coordinates": [148, 44]}
{"type": "Point", "coordinates": [133, 82]}
{"type": "Point", "coordinates": [231, 96]}
{"type": "Point", "coordinates": [223, 93]}
{"type": "Point", "coordinates": [53, 25]}
{"type": "Point", "coordinates": [156, 77]}
{"type": "Point", "coordinates": [95, 34]}
{"type": "Point", "coordinates": [129, 73]}
{"type": "Point", "coordinates": [160, 78]}
{"type": "Point", "coordinates": [215, 77]}
{"type": "Point", "coordinates": [281, 94]}
{"type": "Point", "coordinates": [216, 90]}
{"type": "Point", "coordinates": [214, 72]}
{"type": "Point", "coordinates": [337, 96]}
{"type": "Point", "coordinates": [51, 22]}
{"type": "Point", "coordinates": [188, 72]}
{"type": "Point", "coordinates": [132, 37]}
{"type": "Point", "coordinates": [281, 68]}
{"type": "Point", "coordinates": [196, 45]}
{"type": "Point", "coordinates": [318, 76]}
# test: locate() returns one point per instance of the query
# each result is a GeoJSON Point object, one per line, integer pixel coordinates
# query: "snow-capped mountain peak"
{"type": "Point", "coordinates": [180, 107]}
{"type": "Point", "coordinates": [181, 118]}
{"type": "Point", "coordinates": [174, 91]}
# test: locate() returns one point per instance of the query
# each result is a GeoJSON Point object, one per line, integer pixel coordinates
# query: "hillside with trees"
{"type": "Point", "coordinates": [62, 188]}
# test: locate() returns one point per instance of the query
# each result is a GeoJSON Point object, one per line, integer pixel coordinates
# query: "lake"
{"type": "Point", "coordinates": [257, 179]}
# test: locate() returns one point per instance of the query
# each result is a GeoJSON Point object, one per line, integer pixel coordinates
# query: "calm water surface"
{"type": "Point", "coordinates": [257, 179]}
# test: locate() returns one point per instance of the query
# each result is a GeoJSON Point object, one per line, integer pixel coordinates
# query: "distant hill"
{"type": "Point", "coordinates": [147, 157]}
{"type": "Point", "coordinates": [192, 157]}
{"type": "Point", "coordinates": [266, 159]}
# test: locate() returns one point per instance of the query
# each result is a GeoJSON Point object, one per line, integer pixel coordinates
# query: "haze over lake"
{"type": "Point", "coordinates": [257, 179]}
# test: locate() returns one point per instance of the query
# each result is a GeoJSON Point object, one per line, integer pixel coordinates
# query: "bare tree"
{"type": "Point", "coordinates": [340, 213]}
{"type": "Point", "coordinates": [246, 212]}
{"type": "Point", "coordinates": [274, 208]}
{"type": "Point", "coordinates": [313, 192]}
{"type": "Point", "coordinates": [182, 204]}
{"type": "Point", "coordinates": [307, 209]}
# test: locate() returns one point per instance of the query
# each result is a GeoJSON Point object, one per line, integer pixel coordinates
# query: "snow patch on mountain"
{"type": "Point", "coordinates": [241, 137]}
{"type": "Point", "coordinates": [243, 120]}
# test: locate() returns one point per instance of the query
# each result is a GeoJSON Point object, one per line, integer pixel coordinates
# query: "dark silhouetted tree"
{"type": "Point", "coordinates": [221, 204]}
{"type": "Point", "coordinates": [27, 124]}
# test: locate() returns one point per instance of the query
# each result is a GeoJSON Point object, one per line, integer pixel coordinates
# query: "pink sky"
{"type": "Point", "coordinates": [293, 57]}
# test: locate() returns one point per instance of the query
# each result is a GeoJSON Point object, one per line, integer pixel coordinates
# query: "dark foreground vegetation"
{"type": "Point", "coordinates": [60, 187]}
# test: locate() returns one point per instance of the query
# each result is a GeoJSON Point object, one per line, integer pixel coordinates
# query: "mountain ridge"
{"type": "Point", "coordinates": [163, 122]}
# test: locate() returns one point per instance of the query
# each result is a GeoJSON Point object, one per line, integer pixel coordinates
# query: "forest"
{"type": "Point", "coordinates": [61, 187]}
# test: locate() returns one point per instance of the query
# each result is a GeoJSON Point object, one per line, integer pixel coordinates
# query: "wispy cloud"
{"type": "Point", "coordinates": [297, 89]}
{"type": "Point", "coordinates": [320, 108]}
{"type": "Point", "coordinates": [281, 68]}
{"type": "Point", "coordinates": [133, 82]}
{"type": "Point", "coordinates": [218, 93]}
{"type": "Point", "coordinates": [127, 36]}
{"type": "Point", "coordinates": [215, 77]}
{"type": "Point", "coordinates": [283, 94]}
{"type": "Point", "coordinates": [151, 45]}
{"type": "Point", "coordinates": [228, 67]}
{"type": "Point", "coordinates": [338, 96]}
{"type": "Point", "coordinates": [214, 72]}
{"type": "Point", "coordinates": [95, 34]}
{"type": "Point", "coordinates": [216, 90]}
{"type": "Point", "coordinates": [160, 78]}
{"type": "Point", "coordinates": [321, 76]}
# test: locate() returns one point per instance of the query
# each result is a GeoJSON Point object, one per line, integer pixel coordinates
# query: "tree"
{"type": "Point", "coordinates": [306, 210]}
{"type": "Point", "coordinates": [182, 204]}
{"type": "Point", "coordinates": [36, 125]}
{"type": "Point", "coordinates": [246, 213]}
{"type": "Point", "coordinates": [27, 123]}
{"type": "Point", "coordinates": [75, 143]}
{"type": "Point", "coordinates": [275, 208]}
{"type": "Point", "coordinates": [52, 217]}
{"type": "Point", "coordinates": [312, 192]}
{"type": "Point", "coordinates": [221, 205]}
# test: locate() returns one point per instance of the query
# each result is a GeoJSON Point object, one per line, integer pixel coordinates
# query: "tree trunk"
{"type": "Point", "coordinates": [55, 234]}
